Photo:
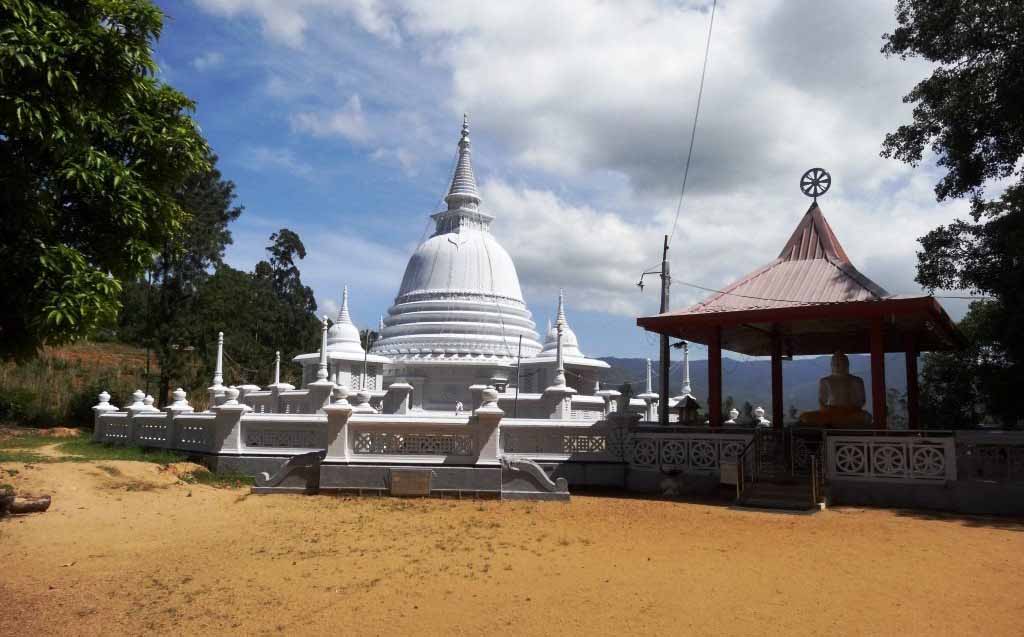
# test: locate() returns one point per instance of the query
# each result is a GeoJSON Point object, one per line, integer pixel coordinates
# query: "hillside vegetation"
{"type": "Point", "coordinates": [60, 386]}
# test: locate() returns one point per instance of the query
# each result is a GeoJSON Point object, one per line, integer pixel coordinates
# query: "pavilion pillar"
{"type": "Point", "coordinates": [878, 375]}
{"type": "Point", "coordinates": [913, 395]}
{"type": "Point", "coordinates": [715, 377]}
{"type": "Point", "coordinates": [777, 399]}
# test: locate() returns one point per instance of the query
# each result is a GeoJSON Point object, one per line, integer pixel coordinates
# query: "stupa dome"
{"type": "Point", "coordinates": [460, 297]}
{"type": "Point", "coordinates": [343, 336]}
{"type": "Point", "coordinates": [570, 344]}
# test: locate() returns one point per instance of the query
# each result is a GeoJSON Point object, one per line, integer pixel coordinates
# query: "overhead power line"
{"type": "Point", "coordinates": [696, 115]}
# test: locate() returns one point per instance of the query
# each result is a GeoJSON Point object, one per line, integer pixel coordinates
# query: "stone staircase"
{"type": "Point", "coordinates": [775, 486]}
{"type": "Point", "coordinates": [790, 495]}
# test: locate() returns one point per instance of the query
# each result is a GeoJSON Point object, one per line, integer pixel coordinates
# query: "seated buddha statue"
{"type": "Point", "coordinates": [840, 399]}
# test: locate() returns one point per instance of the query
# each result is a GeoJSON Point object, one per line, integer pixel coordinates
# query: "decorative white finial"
{"type": "Point", "coordinates": [650, 388]}
{"type": "Point", "coordinates": [218, 373]}
{"type": "Point", "coordinates": [560, 327]}
{"type": "Point", "coordinates": [463, 193]}
{"type": "Point", "coordinates": [277, 367]}
{"type": "Point", "coordinates": [686, 369]}
{"type": "Point", "coordinates": [343, 315]}
{"type": "Point", "coordinates": [138, 400]}
{"type": "Point", "coordinates": [561, 322]}
{"type": "Point", "coordinates": [380, 325]}
{"type": "Point", "coordinates": [321, 372]}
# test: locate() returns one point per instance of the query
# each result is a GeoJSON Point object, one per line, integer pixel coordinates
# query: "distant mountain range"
{"type": "Point", "coordinates": [751, 381]}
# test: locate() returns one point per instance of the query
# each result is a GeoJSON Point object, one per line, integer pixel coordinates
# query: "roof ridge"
{"type": "Point", "coordinates": [813, 238]}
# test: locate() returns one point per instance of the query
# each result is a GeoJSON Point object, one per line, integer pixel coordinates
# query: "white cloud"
{"type": "Point", "coordinates": [328, 306]}
{"type": "Point", "coordinates": [595, 255]}
{"type": "Point", "coordinates": [348, 122]}
{"type": "Point", "coordinates": [581, 118]}
{"type": "Point", "coordinates": [405, 158]}
{"type": "Point", "coordinates": [208, 60]}
{"type": "Point", "coordinates": [261, 158]}
{"type": "Point", "coordinates": [287, 21]}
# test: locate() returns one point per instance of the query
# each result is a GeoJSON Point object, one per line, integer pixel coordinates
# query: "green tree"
{"type": "Point", "coordinates": [958, 387]}
{"type": "Point", "coordinates": [93, 148]}
{"type": "Point", "coordinates": [970, 113]}
{"type": "Point", "coordinates": [261, 312]}
{"type": "Point", "coordinates": [158, 310]}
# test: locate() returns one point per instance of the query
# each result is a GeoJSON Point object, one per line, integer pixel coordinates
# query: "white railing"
{"type": "Point", "coordinates": [374, 438]}
{"type": "Point", "coordinates": [262, 402]}
{"type": "Point", "coordinates": [152, 430]}
{"type": "Point", "coordinates": [195, 432]}
{"type": "Point", "coordinates": [892, 458]}
{"type": "Point", "coordinates": [295, 401]}
{"type": "Point", "coordinates": [276, 433]}
{"type": "Point", "coordinates": [697, 452]}
{"type": "Point", "coordinates": [114, 427]}
{"type": "Point", "coordinates": [542, 440]}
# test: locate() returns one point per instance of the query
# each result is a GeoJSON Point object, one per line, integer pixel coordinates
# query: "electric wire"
{"type": "Point", "coordinates": [693, 130]}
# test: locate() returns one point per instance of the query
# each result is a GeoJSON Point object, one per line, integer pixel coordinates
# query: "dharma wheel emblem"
{"type": "Point", "coordinates": [815, 182]}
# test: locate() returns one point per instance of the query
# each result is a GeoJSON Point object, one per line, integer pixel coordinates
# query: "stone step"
{"type": "Point", "coordinates": [785, 504]}
{"type": "Point", "coordinates": [787, 495]}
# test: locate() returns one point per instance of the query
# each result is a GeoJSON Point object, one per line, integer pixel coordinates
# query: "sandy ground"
{"type": "Point", "coordinates": [128, 549]}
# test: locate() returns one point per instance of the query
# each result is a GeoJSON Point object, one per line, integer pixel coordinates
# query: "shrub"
{"type": "Point", "coordinates": [17, 404]}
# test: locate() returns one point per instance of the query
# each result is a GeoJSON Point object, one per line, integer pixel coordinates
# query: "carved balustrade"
{"type": "Point", "coordinates": [991, 456]}
{"type": "Point", "coordinates": [602, 441]}
{"type": "Point", "coordinates": [688, 452]}
{"type": "Point", "coordinates": [918, 457]}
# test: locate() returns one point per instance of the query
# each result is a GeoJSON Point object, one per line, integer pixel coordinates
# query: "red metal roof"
{"type": "Point", "coordinates": [811, 269]}
{"type": "Point", "coordinates": [815, 299]}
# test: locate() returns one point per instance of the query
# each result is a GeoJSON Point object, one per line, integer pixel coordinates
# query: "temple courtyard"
{"type": "Point", "coordinates": [129, 548]}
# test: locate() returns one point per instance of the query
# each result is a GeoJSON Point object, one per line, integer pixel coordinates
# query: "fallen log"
{"type": "Point", "coordinates": [29, 505]}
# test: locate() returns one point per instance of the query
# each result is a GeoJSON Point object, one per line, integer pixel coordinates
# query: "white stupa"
{"type": "Point", "coordinates": [582, 373]}
{"type": "Point", "coordinates": [459, 313]}
{"type": "Point", "coordinates": [348, 364]}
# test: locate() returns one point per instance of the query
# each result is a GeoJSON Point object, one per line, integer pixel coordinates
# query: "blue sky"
{"type": "Point", "coordinates": [339, 120]}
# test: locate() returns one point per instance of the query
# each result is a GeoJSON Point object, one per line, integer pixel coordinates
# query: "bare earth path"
{"type": "Point", "coordinates": [126, 549]}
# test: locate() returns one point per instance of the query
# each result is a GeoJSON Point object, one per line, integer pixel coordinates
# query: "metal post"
{"type": "Point", "coordinates": [519, 367]}
{"type": "Point", "coordinates": [664, 359]}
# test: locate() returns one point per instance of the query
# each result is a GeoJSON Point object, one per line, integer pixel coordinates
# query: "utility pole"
{"type": "Point", "coordinates": [664, 359]}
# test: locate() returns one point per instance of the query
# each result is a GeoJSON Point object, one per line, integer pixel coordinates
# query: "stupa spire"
{"type": "Point", "coordinates": [686, 369]}
{"type": "Point", "coordinates": [463, 192]}
{"type": "Point", "coordinates": [343, 315]}
{"type": "Point", "coordinates": [561, 320]}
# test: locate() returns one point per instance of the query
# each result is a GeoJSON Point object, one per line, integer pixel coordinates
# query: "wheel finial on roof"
{"type": "Point", "coordinates": [815, 182]}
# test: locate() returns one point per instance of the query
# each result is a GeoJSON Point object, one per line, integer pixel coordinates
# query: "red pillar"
{"type": "Point", "coordinates": [715, 377]}
{"type": "Point", "coordinates": [777, 407]}
{"type": "Point", "coordinates": [878, 375]}
{"type": "Point", "coordinates": [913, 395]}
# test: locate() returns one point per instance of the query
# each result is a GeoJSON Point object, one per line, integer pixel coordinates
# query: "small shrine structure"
{"type": "Point", "coordinates": [812, 300]}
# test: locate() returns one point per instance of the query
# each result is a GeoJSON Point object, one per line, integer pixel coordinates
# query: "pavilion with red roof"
{"type": "Point", "coordinates": [811, 300]}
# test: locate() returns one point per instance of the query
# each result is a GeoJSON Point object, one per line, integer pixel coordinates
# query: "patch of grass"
{"type": "Point", "coordinates": [29, 441]}
{"type": "Point", "coordinates": [230, 480]}
{"type": "Point", "coordinates": [26, 457]}
{"type": "Point", "coordinates": [110, 471]}
{"type": "Point", "coordinates": [82, 449]}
